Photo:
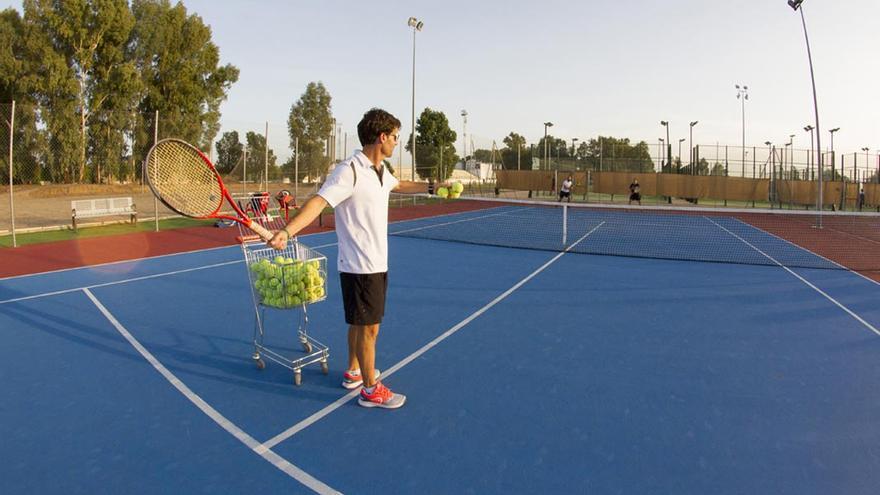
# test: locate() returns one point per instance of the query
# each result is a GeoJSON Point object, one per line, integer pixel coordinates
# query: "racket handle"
{"type": "Point", "coordinates": [260, 230]}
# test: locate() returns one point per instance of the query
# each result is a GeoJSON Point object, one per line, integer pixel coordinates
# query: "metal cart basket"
{"type": "Point", "coordinates": [290, 280]}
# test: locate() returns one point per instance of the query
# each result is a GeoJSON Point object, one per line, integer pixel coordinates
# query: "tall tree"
{"type": "Point", "coordinates": [16, 84]}
{"type": "Point", "coordinates": [310, 122]}
{"type": "Point", "coordinates": [256, 156]}
{"type": "Point", "coordinates": [516, 155]}
{"type": "Point", "coordinates": [180, 72]}
{"type": "Point", "coordinates": [435, 145]}
{"type": "Point", "coordinates": [229, 151]}
{"type": "Point", "coordinates": [90, 35]}
{"type": "Point", "coordinates": [618, 154]}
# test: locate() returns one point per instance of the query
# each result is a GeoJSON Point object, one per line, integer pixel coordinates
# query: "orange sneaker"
{"type": "Point", "coordinates": [354, 380]}
{"type": "Point", "coordinates": [382, 396]}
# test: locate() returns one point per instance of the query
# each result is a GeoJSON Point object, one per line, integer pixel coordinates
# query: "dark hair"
{"type": "Point", "coordinates": [375, 122]}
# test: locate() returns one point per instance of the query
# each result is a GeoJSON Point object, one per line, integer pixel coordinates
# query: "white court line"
{"type": "Point", "coordinates": [134, 260]}
{"type": "Point", "coordinates": [453, 222]}
{"type": "Point", "coordinates": [261, 450]}
{"type": "Point", "coordinates": [293, 430]}
{"type": "Point", "coordinates": [125, 281]}
{"type": "Point", "coordinates": [115, 262]}
{"type": "Point", "coordinates": [802, 279]}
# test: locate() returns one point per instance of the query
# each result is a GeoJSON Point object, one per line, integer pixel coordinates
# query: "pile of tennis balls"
{"type": "Point", "coordinates": [288, 283]}
{"type": "Point", "coordinates": [452, 192]}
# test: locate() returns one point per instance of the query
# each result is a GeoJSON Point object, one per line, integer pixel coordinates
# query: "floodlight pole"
{"type": "Point", "coordinates": [660, 152]}
{"type": "Point", "coordinates": [665, 123]}
{"type": "Point", "coordinates": [691, 145]}
{"type": "Point", "coordinates": [809, 129]}
{"type": "Point", "coordinates": [546, 151]}
{"type": "Point", "coordinates": [679, 147]}
{"type": "Point", "coordinates": [464, 115]}
{"type": "Point", "coordinates": [833, 156]}
{"type": "Point", "coordinates": [742, 93]}
{"type": "Point", "coordinates": [417, 26]}
{"type": "Point", "coordinates": [796, 5]}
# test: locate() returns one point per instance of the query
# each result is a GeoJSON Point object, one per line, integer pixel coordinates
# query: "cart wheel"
{"type": "Point", "coordinates": [297, 378]}
{"type": "Point", "coordinates": [325, 368]}
{"type": "Point", "coordinates": [261, 365]}
{"type": "Point", "coordinates": [307, 346]}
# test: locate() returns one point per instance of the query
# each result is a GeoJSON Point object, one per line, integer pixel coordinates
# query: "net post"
{"type": "Point", "coordinates": [564, 224]}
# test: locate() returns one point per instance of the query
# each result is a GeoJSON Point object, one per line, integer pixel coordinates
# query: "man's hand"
{"type": "Point", "coordinates": [279, 240]}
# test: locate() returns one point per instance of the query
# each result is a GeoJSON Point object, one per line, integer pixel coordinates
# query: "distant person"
{"type": "Point", "coordinates": [635, 193]}
{"type": "Point", "coordinates": [861, 198]}
{"type": "Point", "coordinates": [565, 190]}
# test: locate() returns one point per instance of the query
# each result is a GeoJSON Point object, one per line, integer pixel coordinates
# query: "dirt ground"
{"type": "Point", "coordinates": [49, 206]}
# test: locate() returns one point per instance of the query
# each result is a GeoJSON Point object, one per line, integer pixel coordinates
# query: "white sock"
{"type": "Point", "coordinates": [369, 390]}
{"type": "Point", "coordinates": [356, 372]}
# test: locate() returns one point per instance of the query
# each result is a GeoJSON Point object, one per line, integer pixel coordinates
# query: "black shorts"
{"type": "Point", "coordinates": [635, 197]}
{"type": "Point", "coordinates": [363, 296]}
{"type": "Point", "coordinates": [564, 194]}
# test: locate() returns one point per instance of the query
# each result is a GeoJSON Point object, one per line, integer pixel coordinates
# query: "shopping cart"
{"type": "Point", "coordinates": [290, 280]}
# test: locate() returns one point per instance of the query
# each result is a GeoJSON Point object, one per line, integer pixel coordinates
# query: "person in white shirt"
{"type": "Point", "coordinates": [565, 191]}
{"type": "Point", "coordinates": [358, 189]}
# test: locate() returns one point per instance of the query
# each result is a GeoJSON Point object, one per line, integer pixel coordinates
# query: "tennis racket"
{"type": "Point", "coordinates": [185, 180]}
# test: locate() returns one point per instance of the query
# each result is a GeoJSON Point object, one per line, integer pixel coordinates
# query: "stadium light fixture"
{"type": "Point", "coordinates": [417, 25]}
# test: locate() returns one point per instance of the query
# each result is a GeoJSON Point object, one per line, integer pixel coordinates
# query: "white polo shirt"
{"type": "Point", "coordinates": [361, 210]}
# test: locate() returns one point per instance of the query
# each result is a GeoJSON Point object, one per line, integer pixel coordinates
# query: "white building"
{"type": "Point", "coordinates": [480, 171]}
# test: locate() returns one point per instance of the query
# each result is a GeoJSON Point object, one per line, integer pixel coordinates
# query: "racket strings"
{"type": "Point", "coordinates": [183, 180]}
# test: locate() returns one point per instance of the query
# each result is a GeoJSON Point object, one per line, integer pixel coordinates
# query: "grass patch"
{"type": "Point", "coordinates": [100, 231]}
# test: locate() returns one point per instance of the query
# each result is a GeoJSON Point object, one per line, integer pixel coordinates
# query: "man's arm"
{"type": "Point", "coordinates": [308, 213]}
{"type": "Point", "coordinates": [411, 187]}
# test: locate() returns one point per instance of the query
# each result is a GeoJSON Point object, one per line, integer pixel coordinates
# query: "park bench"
{"type": "Point", "coordinates": [90, 208]}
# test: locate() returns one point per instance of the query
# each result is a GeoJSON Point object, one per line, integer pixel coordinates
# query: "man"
{"type": "Point", "coordinates": [635, 192]}
{"type": "Point", "coordinates": [565, 191]}
{"type": "Point", "coordinates": [358, 189]}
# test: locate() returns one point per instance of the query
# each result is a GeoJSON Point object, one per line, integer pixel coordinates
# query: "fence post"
{"type": "Point", "coordinates": [266, 156]}
{"type": "Point", "coordinates": [156, 200]}
{"type": "Point", "coordinates": [11, 200]}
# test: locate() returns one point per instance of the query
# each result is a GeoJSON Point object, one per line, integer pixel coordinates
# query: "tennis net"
{"type": "Point", "coordinates": [832, 240]}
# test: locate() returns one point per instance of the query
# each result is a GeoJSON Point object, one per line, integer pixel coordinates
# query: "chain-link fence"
{"type": "Point", "coordinates": [41, 174]}
{"type": "Point", "coordinates": [43, 169]}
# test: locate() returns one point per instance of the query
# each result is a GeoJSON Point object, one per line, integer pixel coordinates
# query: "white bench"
{"type": "Point", "coordinates": [88, 208]}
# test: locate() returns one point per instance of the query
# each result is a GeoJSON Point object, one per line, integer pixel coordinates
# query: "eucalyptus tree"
{"type": "Point", "coordinates": [309, 125]}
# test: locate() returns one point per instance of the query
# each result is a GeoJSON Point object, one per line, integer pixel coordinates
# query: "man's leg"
{"type": "Point", "coordinates": [352, 348]}
{"type": "Point", "coordinates": [365, 350]}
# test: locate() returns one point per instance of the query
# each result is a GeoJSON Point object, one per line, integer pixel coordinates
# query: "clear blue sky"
{"type": "Point", "coordinates": [595, 67]}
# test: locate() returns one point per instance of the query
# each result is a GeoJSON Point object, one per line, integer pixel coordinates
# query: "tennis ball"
{"type": "Point", "coordinates": [279, 260]}
{"type": "Point", "coordinates": [442, 192]}
{"type": "Point", "coordinates": [457, 188]}
{"type": "Point", "coordinates": [454, 195]}
{"type": "Point", "coordinates": [288, 261]}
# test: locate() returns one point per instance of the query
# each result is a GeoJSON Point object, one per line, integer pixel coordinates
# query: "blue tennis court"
{"type": "Point", "coordinates": [526, 371]}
